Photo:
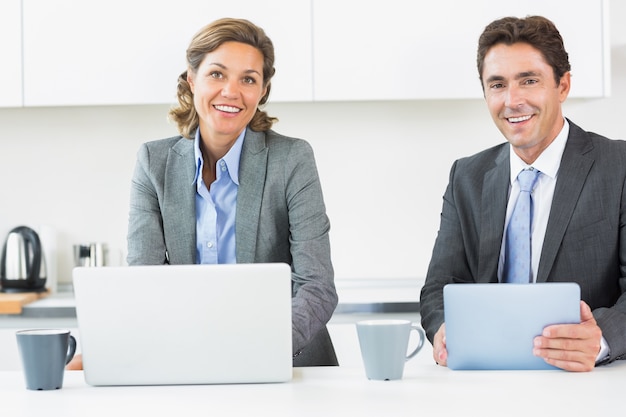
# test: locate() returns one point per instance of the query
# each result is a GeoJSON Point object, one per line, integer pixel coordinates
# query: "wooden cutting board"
{"type": "Point", "coordinates": [12, 303]}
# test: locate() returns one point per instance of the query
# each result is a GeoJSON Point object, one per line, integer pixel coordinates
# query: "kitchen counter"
{"type": "Point", "coordinates": [57, 305]}
{"type": "Point", "coordinates": [426, 389]}
{"type": "Point", "coordinates": [356, 296]}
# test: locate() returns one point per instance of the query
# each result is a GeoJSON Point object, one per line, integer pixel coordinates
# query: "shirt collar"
{"type": "Point", "coordinates": [231, 158]}
{"type": "Point", "coordinates": [549, 160]}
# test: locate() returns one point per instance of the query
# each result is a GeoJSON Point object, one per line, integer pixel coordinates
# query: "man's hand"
{"type": "Point", "coordinates": [573, 347]}
{"type": "Point", "coordinates": [440, 353]}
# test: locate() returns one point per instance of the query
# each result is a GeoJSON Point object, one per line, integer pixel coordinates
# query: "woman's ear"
{"type": "Point", "coordinates": [190, 80]}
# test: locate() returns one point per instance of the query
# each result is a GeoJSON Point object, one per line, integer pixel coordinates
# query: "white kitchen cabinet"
{"type": "Point", "coordinates": [119, 52]}
{"type": "Point", "coordinates": [398, 49]}
{"type": "Point", "coordinates": [11, 53]}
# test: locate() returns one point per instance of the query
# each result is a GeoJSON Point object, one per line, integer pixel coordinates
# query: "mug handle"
{"type": "Point", "coordinates": [421, 342]}
{"type": "Point", "coordinates": [71, 349]}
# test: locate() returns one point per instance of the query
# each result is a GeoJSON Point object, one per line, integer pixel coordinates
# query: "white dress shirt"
{"type": "Point", "coordinates": [548, 164]}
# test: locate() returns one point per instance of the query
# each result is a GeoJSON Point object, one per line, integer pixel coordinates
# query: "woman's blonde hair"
{"type": "Point", "coordinates": [208, 39]}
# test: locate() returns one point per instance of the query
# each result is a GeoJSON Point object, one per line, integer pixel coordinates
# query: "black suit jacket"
{"type": "Point", "coordinates": [585, 238]}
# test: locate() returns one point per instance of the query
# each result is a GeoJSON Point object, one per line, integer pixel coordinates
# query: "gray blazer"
{"type": "Point", "coordinates": [585, 239]}
{"type": "Point", "coordinates": [281, 217]}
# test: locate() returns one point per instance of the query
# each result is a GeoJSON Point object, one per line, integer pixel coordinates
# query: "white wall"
{"type": "Point", "coordinates": [383, 165]}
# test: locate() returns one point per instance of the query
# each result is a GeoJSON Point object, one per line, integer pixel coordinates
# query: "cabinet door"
{"type": "Point", "coordinates": [398, 49]}
{"type": "Point", "coordinates": [131, 52]}
{"type": "Point", "coordinates": [11, 52]}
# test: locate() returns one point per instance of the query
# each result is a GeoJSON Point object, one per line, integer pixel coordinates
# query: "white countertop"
{"type": "Point", "coordinates": [425, 390]}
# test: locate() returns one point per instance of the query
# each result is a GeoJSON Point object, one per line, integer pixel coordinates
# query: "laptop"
{"type": "Point", "coordinates": [492, 326]}
{"type": "Point", "coordinates": [184, 324]}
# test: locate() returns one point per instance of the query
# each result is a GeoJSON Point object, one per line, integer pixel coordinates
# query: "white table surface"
{"type": "Point", "coordinates": [339, 391]}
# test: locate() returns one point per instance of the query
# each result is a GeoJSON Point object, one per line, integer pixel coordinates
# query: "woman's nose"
{"type": "Point", "coordinates": [230, 89]}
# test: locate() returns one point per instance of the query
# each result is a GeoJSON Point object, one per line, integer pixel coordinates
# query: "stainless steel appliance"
{"type": "Point", "coordinates": [93, 254]}
{"type": "Point", "coordinates": [22, 266]}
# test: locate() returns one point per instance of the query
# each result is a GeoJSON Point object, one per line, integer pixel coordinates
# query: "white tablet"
{"type": "Point", "coordinates": [492, 326]}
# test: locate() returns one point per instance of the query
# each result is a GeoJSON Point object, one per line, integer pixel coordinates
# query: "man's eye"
{"type": "Point", "coordinates": [497, 86]}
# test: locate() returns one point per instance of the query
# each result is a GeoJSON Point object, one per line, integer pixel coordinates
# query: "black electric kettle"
{"type": "Point", "coordinates": [22, 266]}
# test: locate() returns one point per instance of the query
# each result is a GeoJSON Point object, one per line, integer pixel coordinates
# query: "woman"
{"type": "Point", "coordinates": [230, 189]}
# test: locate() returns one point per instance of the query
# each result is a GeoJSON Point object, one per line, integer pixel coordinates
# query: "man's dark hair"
{"type": "Point", "coordinates": [536, 31]}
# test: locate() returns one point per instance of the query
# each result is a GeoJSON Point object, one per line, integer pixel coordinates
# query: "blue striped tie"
{"type": "Point", "coordinates": [518, 245]}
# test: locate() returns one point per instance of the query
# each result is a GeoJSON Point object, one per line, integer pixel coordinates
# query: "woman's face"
{"type": "Point", "coordinates": [227, 89]}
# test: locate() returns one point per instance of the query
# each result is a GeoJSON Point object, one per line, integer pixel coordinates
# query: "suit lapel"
{"type": "Point", "coordinates": [180, 192]}
{"type": "Point", "coordinates": [573, 171]}
{"type": "Point", "coordinates": [252, 172]}
{"type": "Point", "coordinates": [493, 205]}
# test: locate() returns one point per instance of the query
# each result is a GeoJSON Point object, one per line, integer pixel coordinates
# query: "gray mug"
{"type": "Point", "coordinates": [44, 353]}
{"type": "Point", "coordinates": [384, 345]}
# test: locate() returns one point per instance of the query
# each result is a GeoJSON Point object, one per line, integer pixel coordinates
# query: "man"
{"type": "Point", "coordinates": [578, 230]}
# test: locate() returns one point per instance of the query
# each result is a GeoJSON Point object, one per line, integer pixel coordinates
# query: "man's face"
{"type": "Point", "coordinates": [523, 97]}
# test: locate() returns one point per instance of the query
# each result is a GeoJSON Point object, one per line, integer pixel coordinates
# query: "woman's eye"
{"type": "Point", "coordinates": [215, 74]}
{"type": "Point", "coordinates": [249, 80]}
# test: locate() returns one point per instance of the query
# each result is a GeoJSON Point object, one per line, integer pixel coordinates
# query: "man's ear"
{"type": "Point", "coordinates": [564, 85]}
